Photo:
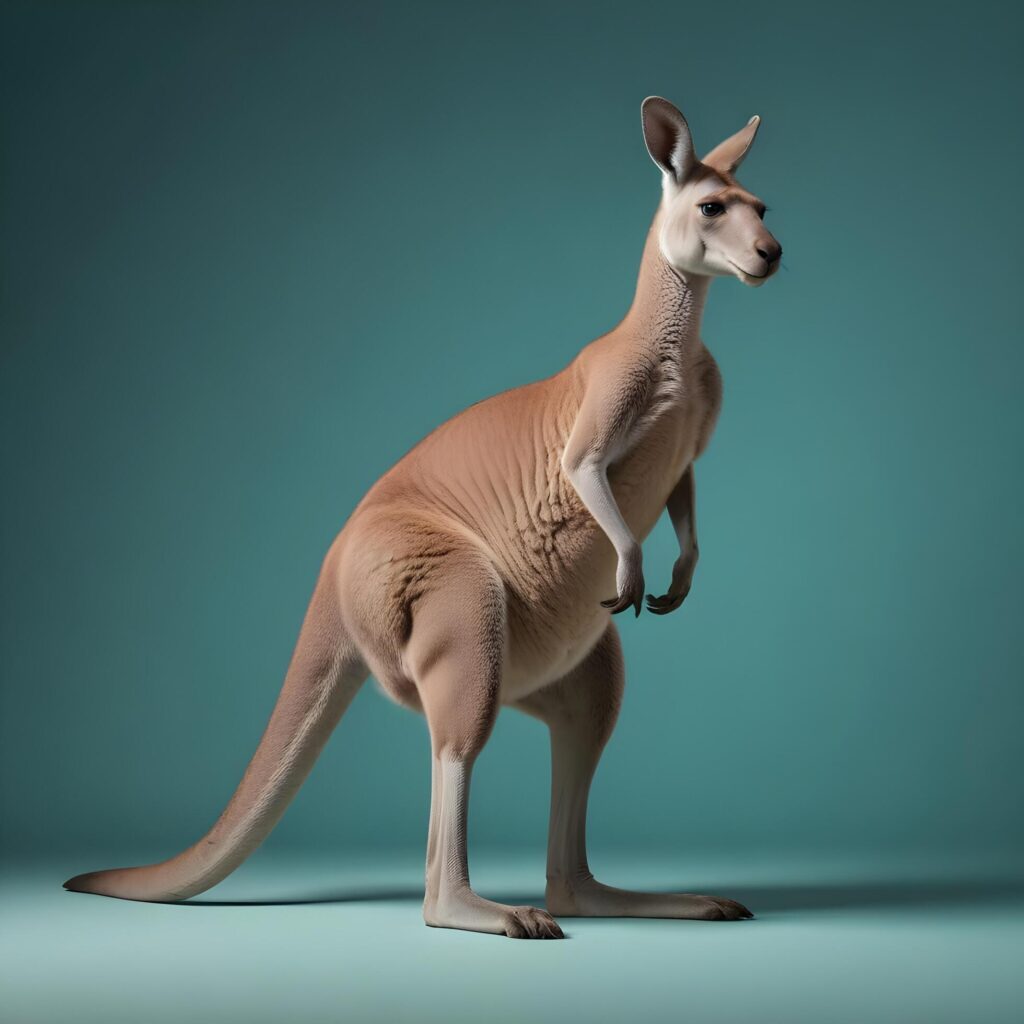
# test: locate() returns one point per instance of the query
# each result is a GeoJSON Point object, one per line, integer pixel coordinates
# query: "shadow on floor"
{"type": "Point", "coordinates": [877, 895]}
{"type": "Point", "coordinates": [762, 898]}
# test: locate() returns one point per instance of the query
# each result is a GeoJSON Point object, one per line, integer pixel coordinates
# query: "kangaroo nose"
{"type": "Point", "coordinates": [769, 251]}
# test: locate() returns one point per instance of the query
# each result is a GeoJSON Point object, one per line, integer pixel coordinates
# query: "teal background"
{"type": "Point", "coordinates": [253, 252]}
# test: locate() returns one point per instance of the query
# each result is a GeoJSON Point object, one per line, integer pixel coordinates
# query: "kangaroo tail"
{"type": "Point", "coordinates": [324, 675]}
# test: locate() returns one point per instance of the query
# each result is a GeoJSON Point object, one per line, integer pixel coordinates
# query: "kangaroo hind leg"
{"type": "Point", "coordinates": [455, 654]}
{"type": "Point", "coordinates": [580, 710]}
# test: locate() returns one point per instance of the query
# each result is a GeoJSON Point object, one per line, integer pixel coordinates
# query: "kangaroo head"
{"type": "Point", "coordinates": [710, 225]}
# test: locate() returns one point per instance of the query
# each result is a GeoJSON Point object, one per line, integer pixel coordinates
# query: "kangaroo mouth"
{"type": "Point", "coordinates": [746, 276]}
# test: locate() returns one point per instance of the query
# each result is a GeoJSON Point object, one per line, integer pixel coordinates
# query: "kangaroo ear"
{"type": "Point", "coordinates": [668, 137]}
{"type": "Point", "coordinates": [728, 155]}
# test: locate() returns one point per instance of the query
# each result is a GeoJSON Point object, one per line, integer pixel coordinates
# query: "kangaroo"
{"type": "Point", "coordinates": [476, 572]}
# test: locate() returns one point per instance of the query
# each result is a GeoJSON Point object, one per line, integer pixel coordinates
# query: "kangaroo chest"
{"type": "Point", "coordinates": [675, 426]}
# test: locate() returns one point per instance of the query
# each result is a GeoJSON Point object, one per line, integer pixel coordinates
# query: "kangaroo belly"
{"type": "Point", "coordinates": [559, 565]}
{"type": "Point", "coordinates": [560, 568]}
{"type": "Point", "coordinates": [555, 586]}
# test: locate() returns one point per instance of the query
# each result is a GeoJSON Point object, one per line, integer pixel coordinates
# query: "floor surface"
{"type": "Point", "coordinates": [298, 939]}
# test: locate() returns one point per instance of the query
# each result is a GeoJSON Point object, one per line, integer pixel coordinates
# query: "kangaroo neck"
{"type": "Point", "coordinates": [668, 305]}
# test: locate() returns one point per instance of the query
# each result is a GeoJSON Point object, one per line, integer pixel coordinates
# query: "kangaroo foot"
{"type": "Point", "coordinates": [589, 898]}
{"type": "Point", "coordinates": [464, 909]}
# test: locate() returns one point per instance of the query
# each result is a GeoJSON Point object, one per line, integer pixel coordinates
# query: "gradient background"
{"type": "Point", "coordinates": [253, 252]}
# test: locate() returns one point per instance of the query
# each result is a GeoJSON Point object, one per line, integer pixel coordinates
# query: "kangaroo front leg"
{"type": "Point", "coordinates": [682, 511]}
{"type": "Point", "coordinates": [611, 405]}
{"type": "Point", "coordinates": [580, 711]}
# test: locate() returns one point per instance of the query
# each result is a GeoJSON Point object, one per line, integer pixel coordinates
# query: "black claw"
{"type": "Point", "coordinates": [664, 609]}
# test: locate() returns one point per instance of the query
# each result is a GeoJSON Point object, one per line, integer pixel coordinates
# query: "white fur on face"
{"type": "Point", "coordinates": [680, 240]}
{"type": "Point", "coordinates": [710, 246]}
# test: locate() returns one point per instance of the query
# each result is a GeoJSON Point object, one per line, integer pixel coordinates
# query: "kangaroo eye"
{"type": "Point", "coordinates": [712, 209]}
